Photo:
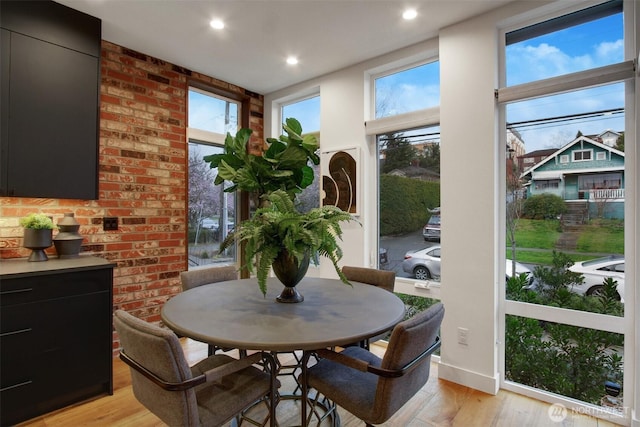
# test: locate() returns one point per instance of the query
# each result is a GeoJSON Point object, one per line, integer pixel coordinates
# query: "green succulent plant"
{"type": "Point", "coordinates": [37, 221]}
{"type": "Point", "coordinates": [279, 226]}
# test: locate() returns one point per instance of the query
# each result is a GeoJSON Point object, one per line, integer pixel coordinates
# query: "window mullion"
{"type": "Point", "coordinates": [580, 80]}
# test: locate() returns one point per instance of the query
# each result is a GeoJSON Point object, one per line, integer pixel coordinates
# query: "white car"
{"type": "Point", "coordinates": [424, 264]}
{"type": "Point", "coordinates": [595, 271]}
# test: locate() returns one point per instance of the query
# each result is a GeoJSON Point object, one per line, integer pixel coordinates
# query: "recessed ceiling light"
{"type": "Point", "coordinates": [409, 14]}
{"type": "Point", "coordinates": [292, 60]}
{"type": "Point", "coordinates": [217, 24]}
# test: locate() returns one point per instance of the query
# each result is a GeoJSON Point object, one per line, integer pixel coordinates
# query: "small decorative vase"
{"type": "Point", "coordinates": [289, 271]}
{"type": "Point", "coordinates": [68, 241]}
{"type": "Point", "coordinates": [37, 240]}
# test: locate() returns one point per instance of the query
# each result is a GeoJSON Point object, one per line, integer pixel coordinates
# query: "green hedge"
{"type": "Point", "coordinates": [405, 203]}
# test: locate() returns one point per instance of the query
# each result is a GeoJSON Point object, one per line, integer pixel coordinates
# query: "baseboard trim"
{"type": "Point", "coordinates": [470, 379]}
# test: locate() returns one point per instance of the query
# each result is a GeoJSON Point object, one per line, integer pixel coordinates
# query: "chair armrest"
{"type": "Point", "coordinates": [395, 373]}
{"type": "Point", "coordinates": [343, 359]}
{"type": "Point", "coordinates": [229, 368]}
{"type": "Point", "coordinates": [381, 372]}
{"type": "Point", "coordinates": [210, 375]}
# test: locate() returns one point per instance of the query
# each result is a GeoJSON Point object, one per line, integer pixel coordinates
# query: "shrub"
{"type": "Point", "coordinates": [405, 203]}
{"type": "Point", "coordinates": [568, 360]}
{"type": "Point", "coordinates": [544, 206]}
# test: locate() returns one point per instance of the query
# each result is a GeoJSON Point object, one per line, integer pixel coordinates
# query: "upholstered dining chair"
{"type": "Point", "coordinates": [371, 388]}
{"type": "Point", "coordinates": [202, 276]}
{"type": "Point", "coordinates": [212, 392]}
{"type": "Point", "coordinates": [380, 278]}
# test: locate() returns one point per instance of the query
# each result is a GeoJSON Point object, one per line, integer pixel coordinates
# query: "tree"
{"type": "Point", "coordinates": [620, 143]}
{"type": "Point", "coordinates": [431, 158]}
{"type": "Point", "coordinates": [514, 208]}
{"type": "Point", "coordinates": [203, 195]}
{"type": "Point", "coordinates": [399, 153]}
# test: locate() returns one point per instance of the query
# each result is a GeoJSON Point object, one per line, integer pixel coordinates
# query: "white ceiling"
{"type": "Point", "coordinates": [326, 35]}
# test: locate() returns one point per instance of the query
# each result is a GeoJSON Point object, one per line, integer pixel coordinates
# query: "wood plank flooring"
{"type": "Point", "coordinates": [440, 403]}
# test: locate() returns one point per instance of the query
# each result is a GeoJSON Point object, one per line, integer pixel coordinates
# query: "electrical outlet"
{"type": "Point", "coordinates": [110, 223]}
{"type": "Point", "coordinates": [463, 336]}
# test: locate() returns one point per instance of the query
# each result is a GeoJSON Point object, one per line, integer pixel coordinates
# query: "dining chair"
{"type": "Point", "coordinates": [371, 276]}
{"type": "Point", "coordinates": [202, 276]}
{"type": "Point", "coordinates": [210, 393]}
{"type": "Point", "coordinates": [372, 388]}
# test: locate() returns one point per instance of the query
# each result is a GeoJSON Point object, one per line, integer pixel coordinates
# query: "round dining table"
{"type": "Point", "coordinates": [235, 314]}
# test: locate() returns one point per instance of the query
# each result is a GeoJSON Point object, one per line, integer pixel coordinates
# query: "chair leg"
{"type": "Point", "coordinates": [273, 394]}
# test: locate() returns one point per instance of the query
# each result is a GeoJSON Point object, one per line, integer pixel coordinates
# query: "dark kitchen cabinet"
{"type": "Point", "coordinates": [55, 334]}
{"type": "Point", "coordinates": [50, 101]}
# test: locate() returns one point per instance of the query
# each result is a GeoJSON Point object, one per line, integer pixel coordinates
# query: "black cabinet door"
{"type": "Point", "coordinates": [53, 124]}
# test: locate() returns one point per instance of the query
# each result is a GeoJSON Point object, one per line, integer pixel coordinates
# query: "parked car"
{"type": "Point", "coordinates": [431, 230]}
{"type": "Point", "coordinates": [384, 259]}
{"type": "Point", "coordinates": [210, 224]}
{"type": "Point", "coordinates": [424, 264]}
{"type": "Point", "coordinates": [595, 271]}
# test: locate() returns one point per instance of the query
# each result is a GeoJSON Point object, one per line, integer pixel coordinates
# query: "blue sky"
{"type": "Point", "coordinates": [590, 45]}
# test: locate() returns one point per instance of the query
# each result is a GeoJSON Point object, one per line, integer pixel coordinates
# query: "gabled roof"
{"type": "Point", "coordinates": [568, 147]}
{"type": "Point", "coordinates": [540, 153]}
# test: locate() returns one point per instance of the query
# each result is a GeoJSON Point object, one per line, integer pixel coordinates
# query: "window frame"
{"type": "Point", "coordinates": [615, 73]}
{"type": "Point", "coordinates": [204, 137]}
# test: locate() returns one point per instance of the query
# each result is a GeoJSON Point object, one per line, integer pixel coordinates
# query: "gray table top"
{"type": "Point", "coordinates": [235, 314]}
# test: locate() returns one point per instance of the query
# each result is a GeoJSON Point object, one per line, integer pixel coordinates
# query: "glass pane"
{"type": "Point", "coordinates": [581, 47]}
{"type": "Point", "coordinates": [580, 363]}
{"type": "Point", "coordinates": [211, 212]}
{"type": "Point", "coordinates": [211, 113]}
{"type": "Point", "coordinates": [307, 112]}
{"type": "Point", "coordinates": [409, 208]}
{"type": "Point", "coordinates": [565, 199]}
{"type": "Point", "coordinates": [409, 90]}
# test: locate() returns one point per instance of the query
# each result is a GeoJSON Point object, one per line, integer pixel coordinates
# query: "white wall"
{"type": "Point", "coordinates": [471, 159]}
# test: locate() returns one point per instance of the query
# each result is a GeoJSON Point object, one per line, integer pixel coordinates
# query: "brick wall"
{"type": "Point", "coordinates": [142, 179]}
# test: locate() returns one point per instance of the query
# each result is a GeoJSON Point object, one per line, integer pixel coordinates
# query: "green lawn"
{"type": "Point", "coordinates": [537, 233]}
{"type": "Point", "coordinates": [600, 236]}
{"type": "Point", "coordinates": [603, 236]}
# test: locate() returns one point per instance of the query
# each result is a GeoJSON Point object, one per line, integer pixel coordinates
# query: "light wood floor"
{"type": "Point", "coordinates": [439, 403]}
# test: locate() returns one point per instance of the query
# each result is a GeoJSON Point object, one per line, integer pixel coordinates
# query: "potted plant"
{"type": "Point", "coordinates": [38, 231]}
{"type": "Point", "coordinates": [278, 236]}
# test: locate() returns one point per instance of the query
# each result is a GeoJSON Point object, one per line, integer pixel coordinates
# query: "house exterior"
{"type": "Point", "coordinates": [528, 160]}
{"type": "Point", "coordinates": [583, 170]}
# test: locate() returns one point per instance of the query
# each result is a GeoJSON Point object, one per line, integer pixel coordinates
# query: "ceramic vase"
{"type": "Point", "coordinates": [68, 241]}
{"type": "Point", "coordinates": [37, 240]}
{"type": "Point", "coordinates": [290, 272]}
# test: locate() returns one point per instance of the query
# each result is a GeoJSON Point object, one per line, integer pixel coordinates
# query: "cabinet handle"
{"type": "Point", "coordinates": [16, 291]}
{"type": "Point", "coordinates": [16, 385]}
{"type": "Point", "coordinates": [19, 331]}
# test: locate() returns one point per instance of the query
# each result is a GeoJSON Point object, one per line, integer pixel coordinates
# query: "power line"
{"type": "Point", "coordinates": [565, 119]}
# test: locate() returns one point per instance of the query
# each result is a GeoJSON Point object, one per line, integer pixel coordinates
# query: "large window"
{"type": "Point", "coordinates": [211, 211]}
{"type": "Point", "coordinates": [554, 100]}
{"type": "Point", "coordinates": [409, 203]}
{"type": "Point", "coordinates": [407, 136]}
